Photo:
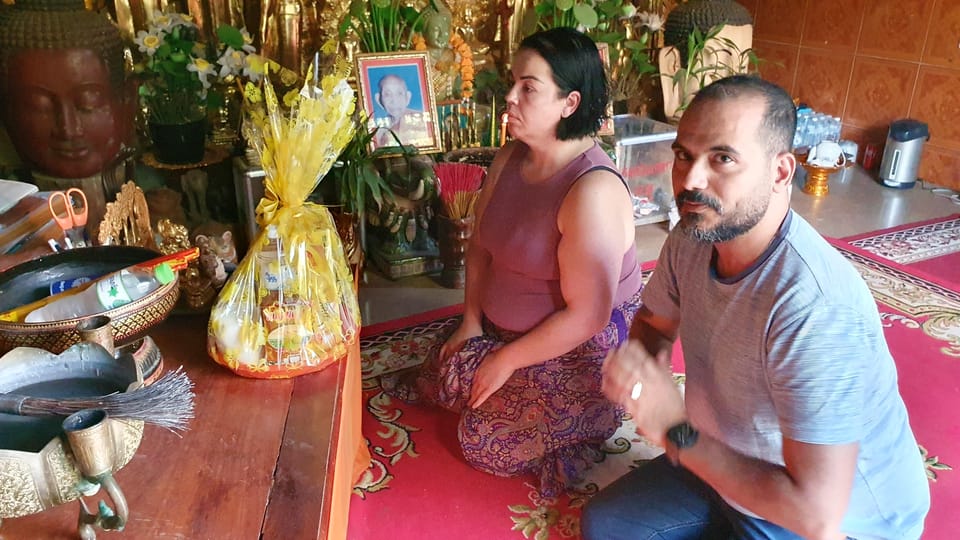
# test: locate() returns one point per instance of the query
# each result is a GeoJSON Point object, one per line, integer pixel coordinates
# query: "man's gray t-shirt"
{"type": "Point", "coordinates": [793, 347]}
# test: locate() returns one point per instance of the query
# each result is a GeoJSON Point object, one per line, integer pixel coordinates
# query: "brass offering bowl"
{"type": "Point", "coordinates": [817, 177]}
{"type": "Point", "coordinates": [30, 281]}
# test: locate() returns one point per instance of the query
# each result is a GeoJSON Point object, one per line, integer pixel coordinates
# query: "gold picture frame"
{"type": "Point", "coordinates": [400, 80]}
{"type": "Point", "coordinates": [606, 128]}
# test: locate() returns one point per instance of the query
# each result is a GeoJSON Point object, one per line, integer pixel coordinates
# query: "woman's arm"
{"type": "Point", "coordinates": [596, 226]}
{"type": "Point", "coordinates": [477, 264]}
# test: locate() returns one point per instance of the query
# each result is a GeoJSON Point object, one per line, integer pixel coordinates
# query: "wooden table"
{"type": "Point", "coordinates": [275, 459]}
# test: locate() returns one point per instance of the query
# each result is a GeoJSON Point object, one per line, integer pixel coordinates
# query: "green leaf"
{"type": "Point", "coordinates": [230, 36]}
{"type": "Point", "coordinates": [530, 21]}
{"type": "Point", "coordinates": [564, 5]}
{"type": "Point", "coordinates": [610, 8]}
{"type": "Point", "coordinates": [585, 15]}
{"type": "Point", "coordinates": [382, 4]}
{"type": "Point", "coordinates": [543, 9]}
{"type": "Point", "coordinates": [610, 37]}
{"type": "Point", "coordinates": [358, 9]}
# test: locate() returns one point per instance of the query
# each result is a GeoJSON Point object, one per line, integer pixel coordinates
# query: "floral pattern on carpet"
{"type": "Point", "coordinates": [921, 322]}
{"type": "Point", "coordinates": [914, 244]}
{"type": "Point", "coordinates": [400, 349]}
{"type": "Point", "coordinates": [922, 304]}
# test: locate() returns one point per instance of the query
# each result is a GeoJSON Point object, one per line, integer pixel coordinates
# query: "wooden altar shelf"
{"type": "Point", "coordinates": [272, 459]}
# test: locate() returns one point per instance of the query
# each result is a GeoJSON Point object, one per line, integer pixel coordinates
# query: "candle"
{"type": "Point", "coordinates": [493, 114]}
{"type": "Point", "coordinates": [503, 129]}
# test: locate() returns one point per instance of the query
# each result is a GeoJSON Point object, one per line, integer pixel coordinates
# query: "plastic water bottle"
{"type": "Point", "coordinates": [109, 292]}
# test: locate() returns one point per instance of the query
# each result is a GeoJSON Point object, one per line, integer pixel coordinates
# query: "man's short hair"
{"type": "Point", "coordinates": [576, 66]}
{"type": "Point", "coordinates": [780, 117]}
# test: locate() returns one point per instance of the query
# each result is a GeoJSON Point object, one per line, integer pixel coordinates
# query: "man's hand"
{"type": "Point", "coordinates": [644, 386]}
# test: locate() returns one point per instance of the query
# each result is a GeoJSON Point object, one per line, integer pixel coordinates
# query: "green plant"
{"type": "Point", "coordinates": [381, 25]}
{"type": "Point", "coordinates": [708, 57]}
{"type": "Point", "coordinates": [617, 23]}
{"type": "Point", "coordinates": [354, 180]}
{"type": "Point", "coordinates": [178, 73]}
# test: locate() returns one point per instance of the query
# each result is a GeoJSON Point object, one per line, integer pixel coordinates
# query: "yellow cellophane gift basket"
{"type": "Point", "coordinates": [290, 307]}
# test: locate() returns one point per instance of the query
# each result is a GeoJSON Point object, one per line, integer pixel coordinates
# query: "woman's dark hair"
{"type": "Point", "coordinates": [576, 65]}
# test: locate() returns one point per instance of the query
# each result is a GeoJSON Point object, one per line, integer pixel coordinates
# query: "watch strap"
{"type": "Point", "coordinates": [679, 437]}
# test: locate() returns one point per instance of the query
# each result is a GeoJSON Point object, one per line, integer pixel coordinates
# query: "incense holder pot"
{"type": "Point", "coordinates": [30, 281]}
{"type": "Point", "coordinates": [39, 468]}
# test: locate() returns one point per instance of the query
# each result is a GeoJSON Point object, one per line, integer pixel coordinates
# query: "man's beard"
{"type": "Point", "coordinates": [729, 227]}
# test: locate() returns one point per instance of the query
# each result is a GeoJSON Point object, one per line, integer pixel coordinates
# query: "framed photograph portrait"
{"type": "Point", "coordinates": [606, 128]}
{"type": "Point", "coordinates": [398, 98]}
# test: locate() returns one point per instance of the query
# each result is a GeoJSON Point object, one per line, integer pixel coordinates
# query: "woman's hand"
{"type": "Point", "coordinates": [490, 377]}
{"type": "Point", "coordinates": [456, 340]}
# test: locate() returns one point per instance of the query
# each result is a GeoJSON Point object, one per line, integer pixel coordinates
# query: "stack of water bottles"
{"type": "Point", "coordinates": [814, 127]}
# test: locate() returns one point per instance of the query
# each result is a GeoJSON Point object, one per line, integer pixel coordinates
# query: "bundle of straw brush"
{"type": "Point", "coordinates": [167, 403]}
{"type": "Point", "coordinates": [459, 186]}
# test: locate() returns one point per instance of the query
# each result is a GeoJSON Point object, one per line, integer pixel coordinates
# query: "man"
{"type": "Point", "coordinates": [409, 125]}
{"type": "Point", "coordinates": [792, 425]}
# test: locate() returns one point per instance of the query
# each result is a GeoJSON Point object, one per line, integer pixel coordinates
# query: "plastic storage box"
{"type": "Point", "coordinates": [645, 159]}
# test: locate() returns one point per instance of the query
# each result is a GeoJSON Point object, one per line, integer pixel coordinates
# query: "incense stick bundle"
{"type": "Point", "coordinates": [459, 187]}
{"type": "Point", "coordinates": [167, 403]}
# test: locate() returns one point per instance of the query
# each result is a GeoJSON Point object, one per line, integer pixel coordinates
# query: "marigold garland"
{"type": "Point", "coordinates": [464, 65]}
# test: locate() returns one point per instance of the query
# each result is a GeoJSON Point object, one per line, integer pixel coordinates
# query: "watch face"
{"type": "Point", "coordinates": [683, 435]}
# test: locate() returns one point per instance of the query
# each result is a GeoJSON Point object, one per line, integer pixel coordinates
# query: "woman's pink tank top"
{"type": "Point", "coordinates": [519, 230]}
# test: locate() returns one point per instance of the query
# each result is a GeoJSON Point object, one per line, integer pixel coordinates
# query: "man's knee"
{"type": "Point", "coordinates": [593, 521]}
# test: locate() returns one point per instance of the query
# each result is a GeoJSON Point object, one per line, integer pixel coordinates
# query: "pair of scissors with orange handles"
{"type": "Point", "coordinates": [69, 209]}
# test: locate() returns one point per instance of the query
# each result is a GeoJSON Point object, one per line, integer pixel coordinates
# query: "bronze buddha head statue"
{"type": "Point", "coordinates": [65, 101]}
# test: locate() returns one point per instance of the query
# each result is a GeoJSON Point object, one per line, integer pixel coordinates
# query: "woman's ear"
{"type": "Point", "coordinates": [572, 101]}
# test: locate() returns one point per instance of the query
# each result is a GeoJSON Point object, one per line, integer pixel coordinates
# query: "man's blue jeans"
{"type": "Point", "coordinates": [658, 500]}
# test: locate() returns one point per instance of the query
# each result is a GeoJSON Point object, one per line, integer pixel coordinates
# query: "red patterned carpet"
{"type": "Point", "coordinates": [931, 246]}
{"type": "Point", "coordinates": [418, 486]}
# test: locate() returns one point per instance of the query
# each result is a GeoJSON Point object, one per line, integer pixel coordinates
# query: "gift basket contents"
{"type": "Point", "coordinates": [290, 307]}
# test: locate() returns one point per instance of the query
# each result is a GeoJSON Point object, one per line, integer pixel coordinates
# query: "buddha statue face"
{"type": "Point", "coordinates": [64, 98]}
{"type": "Point", "coordinates": [64, 116]}
{"type": "Point", "coordinates": [436, 29]}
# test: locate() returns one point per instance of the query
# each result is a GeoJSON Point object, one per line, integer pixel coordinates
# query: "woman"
{"type": "Point", "coordinates": [552, 280]}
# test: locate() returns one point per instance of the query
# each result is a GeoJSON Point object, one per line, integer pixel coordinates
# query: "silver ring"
{"type": "Point", "coordinates": [635, 393]}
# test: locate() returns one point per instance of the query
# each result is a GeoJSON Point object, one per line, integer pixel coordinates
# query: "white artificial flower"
{"type": "Point", "coordinates": [182, 19]}
{"type": "Point", "coordinates": [202, 68]}
{"type": "Point", "coordinates": [254, 66]}
{"type": "Point", "coordinates": [148, 42]}
{"type": "Point", "coordinates": [231, 62]}
{"type": "Point", "coordinates": [247, 41]}
{"type": "Point", "coordinates": [161, 21]}
{"type": "Point", "coordinates": [652, 21]}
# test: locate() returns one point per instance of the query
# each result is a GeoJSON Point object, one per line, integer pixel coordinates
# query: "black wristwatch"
{"type": "Point", "coordinates": [680, 436]}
